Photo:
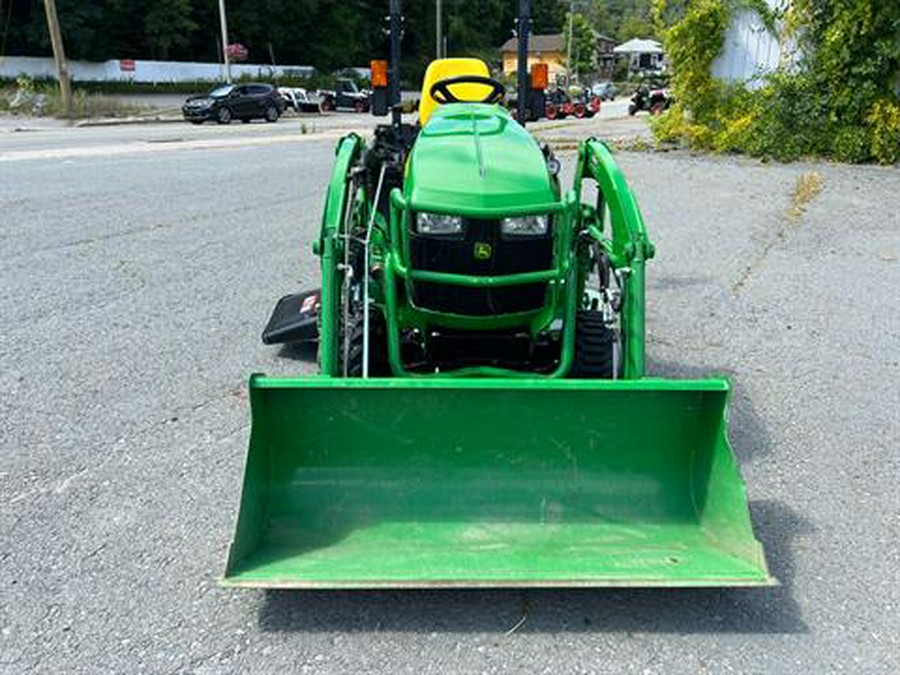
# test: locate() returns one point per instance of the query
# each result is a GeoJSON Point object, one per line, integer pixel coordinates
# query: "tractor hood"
{"type": "Point", "coordinates": [474, 159]}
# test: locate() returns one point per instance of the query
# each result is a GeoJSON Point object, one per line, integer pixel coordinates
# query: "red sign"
{"type": "Point", "coordinates": [126, 65]}
{"type": "Point", "coordinates": [237, 52]}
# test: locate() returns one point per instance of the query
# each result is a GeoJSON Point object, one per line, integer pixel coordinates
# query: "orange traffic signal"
{"type": "Point", "coordinates": [539, 76]}
{"type": "Point", "coordinates": [379, 73]}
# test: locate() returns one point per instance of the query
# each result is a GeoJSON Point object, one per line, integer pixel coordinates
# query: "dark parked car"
{"type": "Point", "coordinates": [345, 95]}
{"type": "Point", "coordinates": [235, 101]}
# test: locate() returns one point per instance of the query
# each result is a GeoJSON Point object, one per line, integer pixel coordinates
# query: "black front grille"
{"type": "Point", "coordinates": [457, 254]}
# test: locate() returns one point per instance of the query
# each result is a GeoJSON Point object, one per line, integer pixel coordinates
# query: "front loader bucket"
{"type": "Point", "coordinates": [457, 482]}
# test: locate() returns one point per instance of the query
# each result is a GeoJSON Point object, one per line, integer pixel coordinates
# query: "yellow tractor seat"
{"type": "Point", "coordinates": [442, 69]}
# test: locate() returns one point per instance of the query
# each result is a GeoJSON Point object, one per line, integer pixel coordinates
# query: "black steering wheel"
{"type": "Point", "coordinates": [440, 90]}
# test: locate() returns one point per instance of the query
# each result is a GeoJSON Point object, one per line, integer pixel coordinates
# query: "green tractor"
{"type": "Point", "coordinates": [481, 416]}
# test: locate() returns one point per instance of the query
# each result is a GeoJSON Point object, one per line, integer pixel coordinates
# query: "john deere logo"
{"type": "Point", "coordinates": [482, 250]}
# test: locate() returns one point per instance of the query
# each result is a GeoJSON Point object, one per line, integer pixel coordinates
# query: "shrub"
{"type": "Point", "coordinates": [840, 100]}
{"type": "Point", "coordinates": [884, 119]}
{"type": "Point", "coordinates": [852, 144]}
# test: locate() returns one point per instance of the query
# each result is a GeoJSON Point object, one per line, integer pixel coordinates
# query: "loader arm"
{"type": "Point", "coordinates": [627, 244]}
{"type": "Point", "coordinates": [329, 246]}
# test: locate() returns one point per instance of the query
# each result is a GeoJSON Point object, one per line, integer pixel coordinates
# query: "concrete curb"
{"type": "Point", "coordinates": [114, 121]}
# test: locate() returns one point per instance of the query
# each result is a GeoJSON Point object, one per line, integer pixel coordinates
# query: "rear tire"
{"type": "Point", "coordinates": [551, 112]}
{"type": "Point", "coordinates": [596, 348]}
{"type": "Point", "coordinates": [271, 114]}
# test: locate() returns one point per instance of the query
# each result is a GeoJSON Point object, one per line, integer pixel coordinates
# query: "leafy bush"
{"type": "Point", "coordinates": [884, 119]}
{"type": "Point", "coordinates": [852, 144]}
{"type": "Point", "coordinates": [840, 100]}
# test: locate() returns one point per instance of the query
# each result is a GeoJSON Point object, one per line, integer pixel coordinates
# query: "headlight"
{"type": "Point", "coordinates": [524, 226]}
{"type": "Point", "coordinates": [438, 223]}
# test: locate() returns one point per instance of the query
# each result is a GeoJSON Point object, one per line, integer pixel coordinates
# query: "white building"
{"type": "Point", "coordinates": [643, 54]}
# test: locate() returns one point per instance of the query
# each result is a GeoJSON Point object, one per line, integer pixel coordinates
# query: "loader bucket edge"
{"type": "Point", "coordinates": [397, 483]}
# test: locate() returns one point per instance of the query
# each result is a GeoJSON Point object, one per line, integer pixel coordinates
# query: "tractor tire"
{"type": "Point", "coordinates": [551, 112]}
{"type": "Point", "coordinates": [379, 366]}
{"type": "Point", "coordinates": [579, 110]}
{"type": "Point", "coordinates": [596, 345]}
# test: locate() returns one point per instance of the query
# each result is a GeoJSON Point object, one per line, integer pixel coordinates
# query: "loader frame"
{"type": "Point", "coordinates": [623, 239]}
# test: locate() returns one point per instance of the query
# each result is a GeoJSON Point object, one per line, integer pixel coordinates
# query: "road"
{"type": "Point", "coordinates": [138, 267]}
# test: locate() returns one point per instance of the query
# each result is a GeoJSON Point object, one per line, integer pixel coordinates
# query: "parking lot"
{"type": "Point", "coordinates": [140, 264]}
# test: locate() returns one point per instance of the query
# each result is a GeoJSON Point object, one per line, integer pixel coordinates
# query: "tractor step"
{"type": "Point", "coordinates": [294, 319]}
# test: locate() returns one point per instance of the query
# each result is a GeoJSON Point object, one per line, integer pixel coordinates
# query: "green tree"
{"type": "Point", "coordinates": [636, 26]}
{"type": "Point", "coordinates": [584, 45]}
{"type": "Point", "coordinates": [168, 26]}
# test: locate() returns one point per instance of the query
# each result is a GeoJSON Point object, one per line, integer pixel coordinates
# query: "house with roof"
{"type": "Point", "coordinates": [642, 54]}
{"type": "Point", "coordinates": [549, 49]}
{"type": "Point", "coordinates": [606, 57]}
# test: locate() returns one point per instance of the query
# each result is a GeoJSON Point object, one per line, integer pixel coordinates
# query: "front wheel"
{"type": "Point", "coordinates": [550, 112]}
{"type": "Point", "coordinates": [271, 114]}
{"type": "Point", "coordinates": [223, 116]}
{"type": "Point", "coordinates": [379, 365]}
{"type": "Point", "coordinates": [597, 348]}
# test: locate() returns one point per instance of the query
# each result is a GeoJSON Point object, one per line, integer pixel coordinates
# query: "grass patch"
{"type": "Point", "coordinates": [807, 186]}
{"type": "Point", "coordinates": [44, 100]}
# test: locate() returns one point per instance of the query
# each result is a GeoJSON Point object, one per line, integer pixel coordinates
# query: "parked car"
{"type": "Point", "coordinates": [605, 91]}
{"type": "Point", "coordinates": [345, 95]}
{"type": "Point", "coordinates": [235, 101]}
{"type": "Point", "coordinates": [653, 100]}
{"type": "Point", "coordinates": [299, 99]}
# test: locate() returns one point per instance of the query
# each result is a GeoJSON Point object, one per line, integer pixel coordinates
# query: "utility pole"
{"type": "Point", "coordinates": [395, 23]}
{"type": "Point", "coordinates": [569, 45]}
{"type": "Point", "coordinates": [439, 42]}
{"type": "Point", "coordinates": [224, 25]}
{"type": "Point", "coordinates": [59, 55]}
{"type": "Point", "coordinates": [523, 26]}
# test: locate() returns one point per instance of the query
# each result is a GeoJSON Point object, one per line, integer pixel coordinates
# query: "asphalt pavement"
{"type": "Point", "coordinates": [139, 265]}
